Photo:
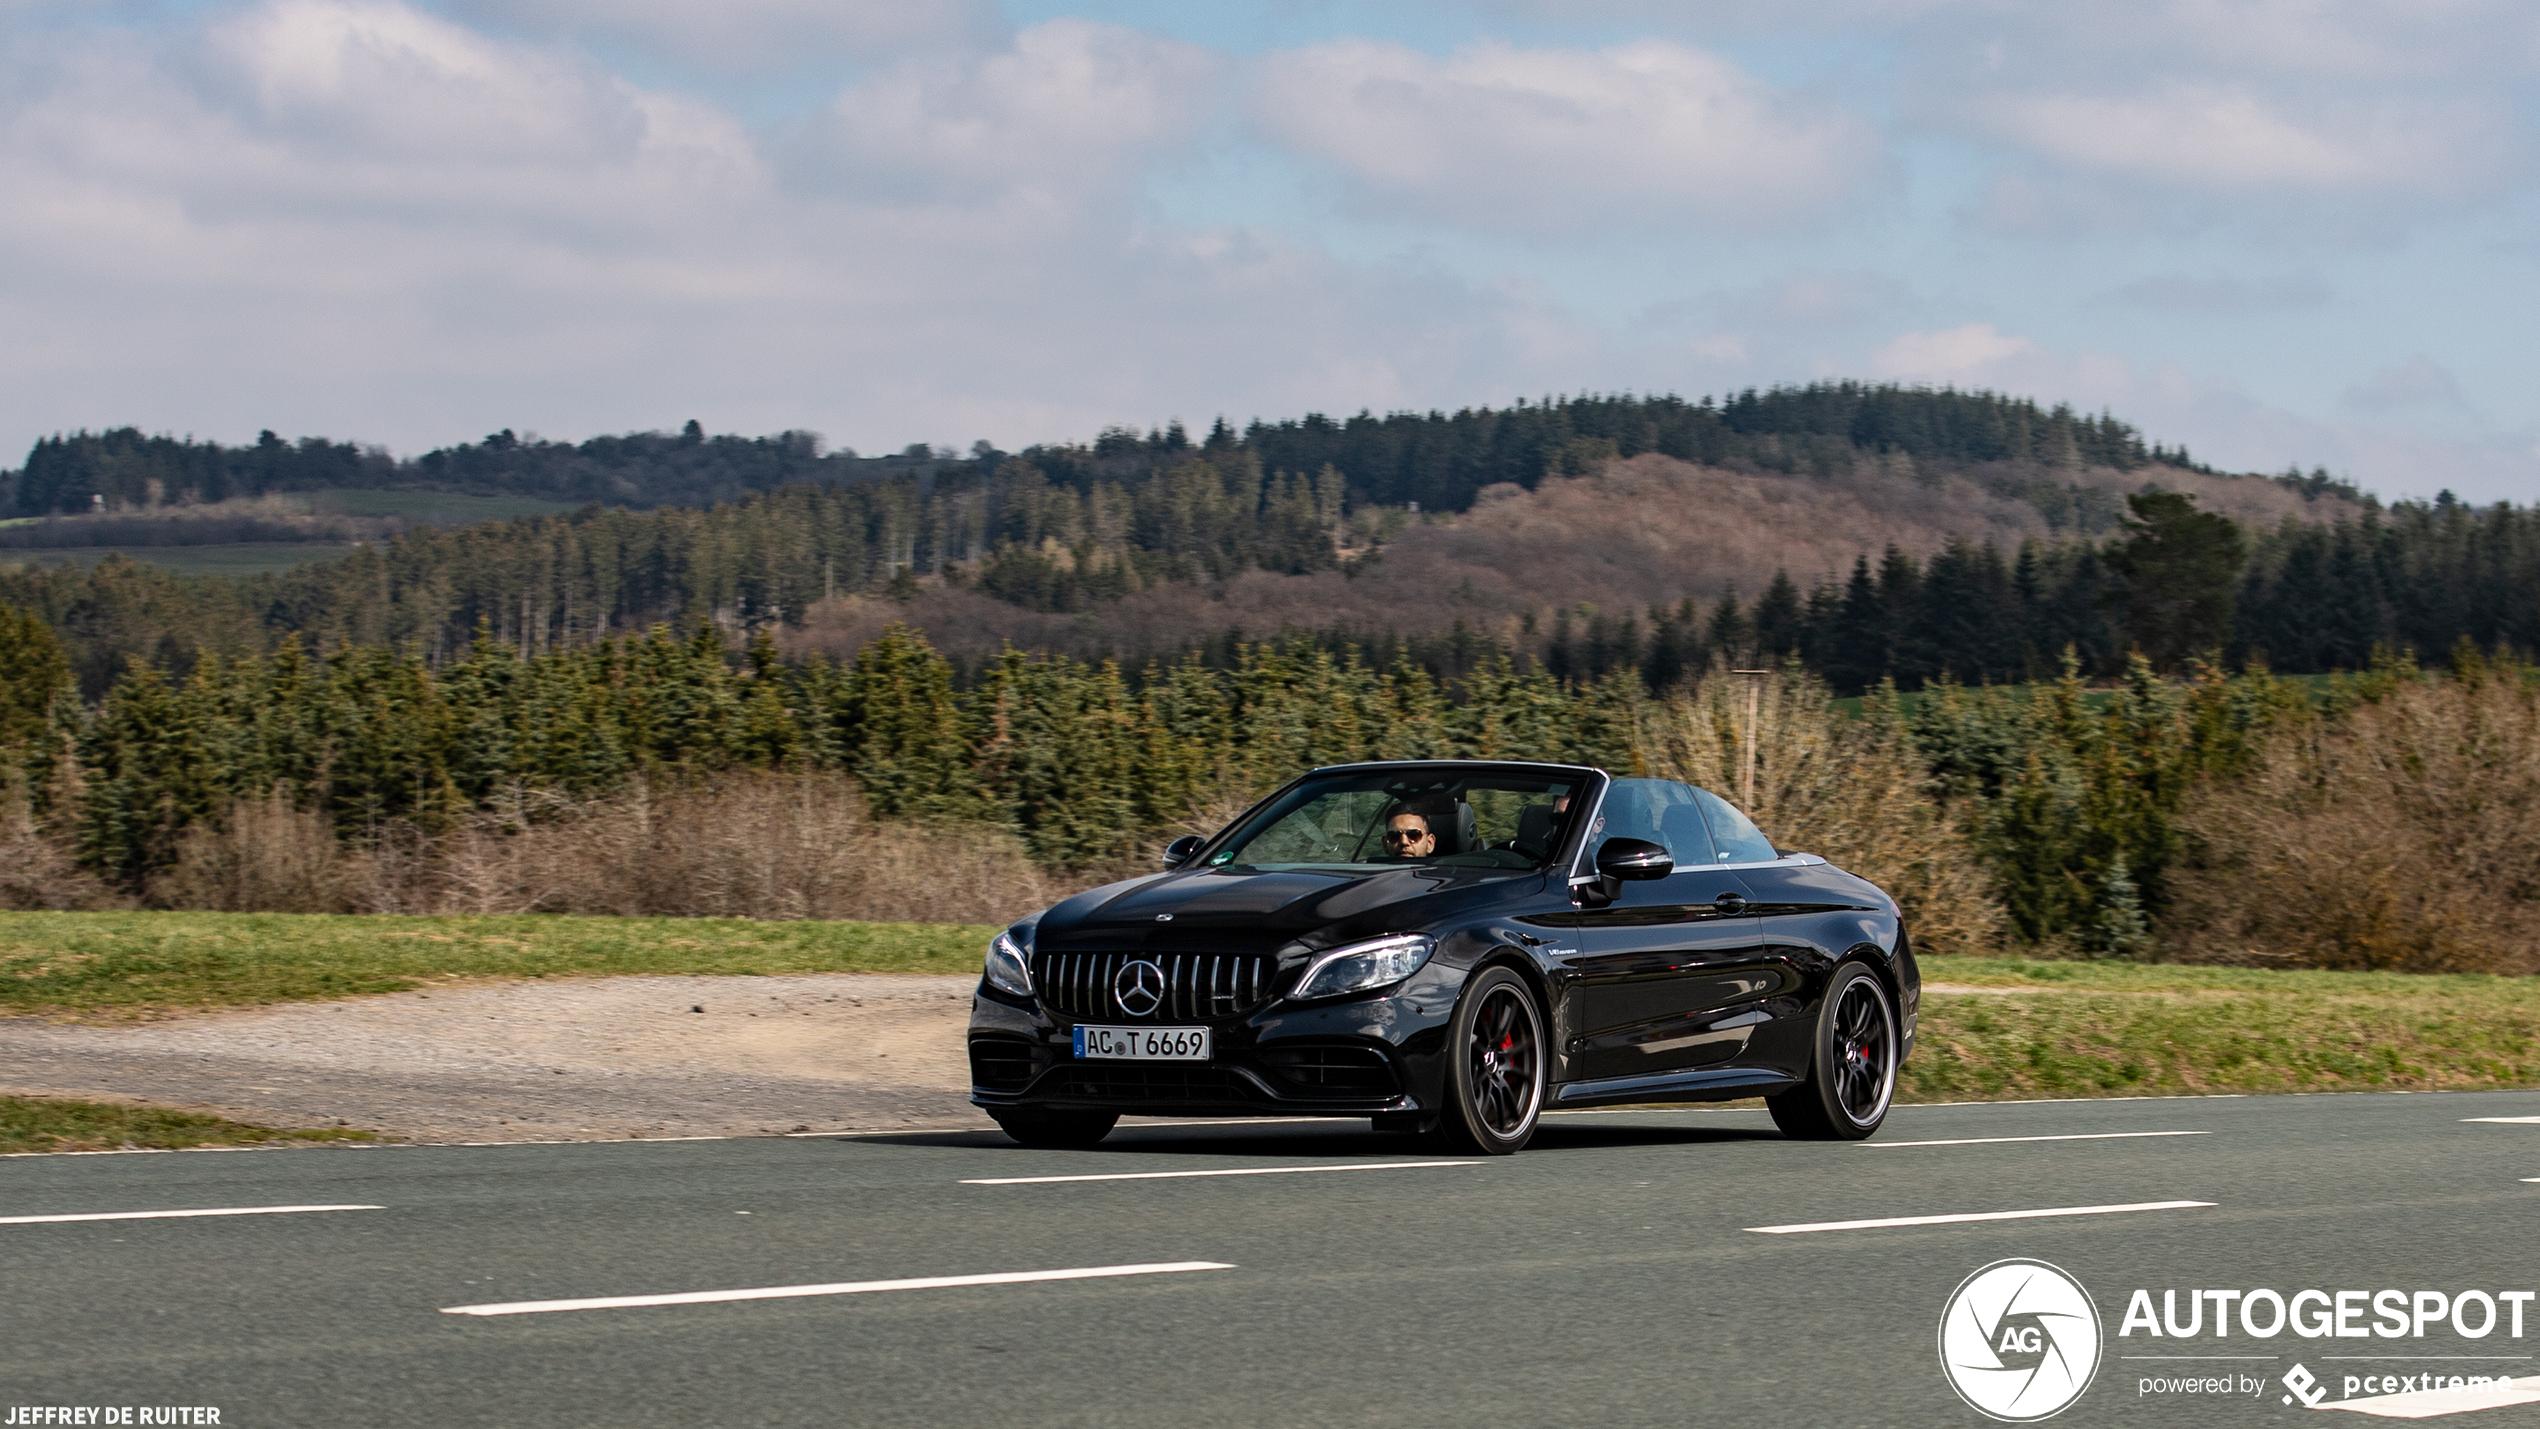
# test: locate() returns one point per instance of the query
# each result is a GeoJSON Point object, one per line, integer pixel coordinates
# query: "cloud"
{"type": "Point", "coordinates": [741, 37]}
{"type": "Point", "coordinates": [356, 218]}
{"type": "Point", "coordinates": [2228, 139]}
{"type": "Point", "coordinates": [2419, 382]}
{"type": "Point", "coordinates": [1070, 105]}
{"type": "Point", "coordinates": [1546, 140]}
{"type": "Point", "coordinates": [1961, 355]}
{"type": "Point", "coordinates": [2179, 292]}
{"type": "Point", "coordinates": [1812, 298]}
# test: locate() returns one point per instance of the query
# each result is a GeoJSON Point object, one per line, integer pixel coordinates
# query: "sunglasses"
{"type": "Point", "coordinates": [1408, 836]}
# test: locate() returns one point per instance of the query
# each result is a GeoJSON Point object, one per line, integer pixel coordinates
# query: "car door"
{"type": "Point", "coordinates": [1659, 974]}
{"type": "Point", "coordinates": [1808, 914]}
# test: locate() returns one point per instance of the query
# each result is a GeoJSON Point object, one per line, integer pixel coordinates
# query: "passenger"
{"type": "Point", "coordinates": [1407, 835]}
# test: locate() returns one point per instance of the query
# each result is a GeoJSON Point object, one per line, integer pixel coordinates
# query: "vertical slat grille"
{"type": "Point", "coordinates": [1198, 987]}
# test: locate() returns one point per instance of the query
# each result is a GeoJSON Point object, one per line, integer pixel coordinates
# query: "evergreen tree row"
{"type": "Point", "coordinates": [1081, 759]}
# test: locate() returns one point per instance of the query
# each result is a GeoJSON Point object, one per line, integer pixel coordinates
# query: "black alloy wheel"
{"type": "Point", "coordinates": [1056, 1129]}
{"type": "Point", "coordinates": [1852, 1077]}
{"type": "Point", "coordinates": [1496, 1085]}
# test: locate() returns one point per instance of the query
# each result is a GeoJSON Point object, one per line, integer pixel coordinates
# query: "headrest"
{"type": "Point", "coordinates": [1534, 829]}
{"type": "Point", "coordinates": [1467, 830]}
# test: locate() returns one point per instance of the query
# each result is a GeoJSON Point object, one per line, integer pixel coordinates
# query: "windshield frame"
{"type": "Point", "coordinates": [1586, 797]}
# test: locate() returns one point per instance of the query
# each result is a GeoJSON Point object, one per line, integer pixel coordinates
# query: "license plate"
{"type": "Point", "coordinates": [1143, 1044]}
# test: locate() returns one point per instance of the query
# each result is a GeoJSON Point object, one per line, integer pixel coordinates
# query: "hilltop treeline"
{"type": "Point", "coordinates": [122, 469]}
{"type": "Point", "coordinates": [1442, 461]}
{"type": "Point", "coordinates": [1436, 459]}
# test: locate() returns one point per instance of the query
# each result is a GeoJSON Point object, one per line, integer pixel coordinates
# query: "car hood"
{"type": "Point", "coordinates": [1225, 909]}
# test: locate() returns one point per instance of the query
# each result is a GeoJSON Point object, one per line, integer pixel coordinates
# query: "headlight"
{"type": "Point", "coordinates": [1009, 968]}
{"type": "Point", "coordinates": [1361, 966]}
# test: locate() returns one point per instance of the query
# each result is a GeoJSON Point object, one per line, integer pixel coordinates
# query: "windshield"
{"type": "Point", "coordinates": [1387, 818]}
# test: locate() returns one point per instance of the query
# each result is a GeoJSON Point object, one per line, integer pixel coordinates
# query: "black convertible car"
{"type": "Point", "coordinates": [1453, 947]}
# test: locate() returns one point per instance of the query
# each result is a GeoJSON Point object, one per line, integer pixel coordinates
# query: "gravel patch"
{"type": "Point", "coordinates": [558, 1059]}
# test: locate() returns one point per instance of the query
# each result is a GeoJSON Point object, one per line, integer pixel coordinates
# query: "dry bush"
{"type": "Point", "coordinates": [741, 846]}
{"type": "Point", "coordinates": [265, 855]}
{"type": "Point", "coordinates": [38, 873]}
{"type": "Point", "coordinates": [2398, 837]}
{"type": "Point", "coordinates": [1850, 790]}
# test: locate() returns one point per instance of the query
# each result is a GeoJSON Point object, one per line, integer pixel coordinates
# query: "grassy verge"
{"type": "Point", "coordinates": [47, 1124]}
{"type": "Point", "coordinates": [2121, 1029]}
{"type": "Point", "coordinates": [131, 964]}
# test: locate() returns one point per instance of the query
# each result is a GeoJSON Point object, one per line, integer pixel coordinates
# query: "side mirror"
{"type": "Point", "coordinates": [1631, 859]}
{"type": "Point", "coordinates": [1180, 850]}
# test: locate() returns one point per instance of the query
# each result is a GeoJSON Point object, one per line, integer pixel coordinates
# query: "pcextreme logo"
{"type": "Point", "coordinates": [2019, 1341]}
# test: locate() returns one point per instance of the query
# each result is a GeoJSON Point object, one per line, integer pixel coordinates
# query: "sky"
{"type": "Point", "coordinates": [2281, 232]}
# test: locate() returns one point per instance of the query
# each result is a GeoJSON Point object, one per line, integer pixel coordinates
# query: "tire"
{"type": "Point", "coordinates": [1057, 1129]}
{"type": "Point", "coordinates": [1852, 1071]}
{"type": "Point", "coordinates": [1495, 1082]}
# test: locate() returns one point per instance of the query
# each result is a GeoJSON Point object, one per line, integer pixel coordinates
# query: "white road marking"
{"type": "Point", "coordinates": [2509, 1120]}
{"type": "Point", "coordinates": [2430, 1403]}
{"type": "Point", "coordinates": [1977, 1216]}
{"type": "Point", "coordinates": [2084, 1136]}
{"type": "Point", "coordinates": [1238, 1171]}
{"type": "Point", "coordinates": [171, 1215]}
{"type": "Point", "coordinates": [851, 1287]}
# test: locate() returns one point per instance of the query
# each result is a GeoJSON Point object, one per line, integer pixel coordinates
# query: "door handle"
{"type": "Point", "coordinates": [1729, 902]}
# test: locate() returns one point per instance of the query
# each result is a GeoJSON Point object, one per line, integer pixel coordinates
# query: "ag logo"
{"type": "Point", "coordinates": [2019, 1340]}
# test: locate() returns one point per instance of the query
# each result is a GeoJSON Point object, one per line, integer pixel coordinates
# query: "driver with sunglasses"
{"type": "Point", "coordinates": [1408, 836]}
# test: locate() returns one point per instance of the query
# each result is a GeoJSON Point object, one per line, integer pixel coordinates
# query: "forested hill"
{"type": "Point", "coordinates": [1435, 459]}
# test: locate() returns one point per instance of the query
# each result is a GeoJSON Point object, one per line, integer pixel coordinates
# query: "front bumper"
{"type": "Point", "coordinates": [1359, 1057]}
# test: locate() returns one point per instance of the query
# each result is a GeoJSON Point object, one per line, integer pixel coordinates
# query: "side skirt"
{"type": "Point", "coordinates": [1718, 1084]}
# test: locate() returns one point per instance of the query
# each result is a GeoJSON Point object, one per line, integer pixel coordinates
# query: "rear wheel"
{"type": "Point", "coordinates": [1852, 1076]}
{"type": "Point", "coordinates": [1056, 1128]}
{"type": "Point", "coordinates": [1495, 1087]}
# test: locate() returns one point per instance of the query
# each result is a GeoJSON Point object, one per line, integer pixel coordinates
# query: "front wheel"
{"type": "Point", "coordinates": [1057, 1129]}
{"type": "Point", "coordinates": [1852, 1076]}
{"type": "Point", "coordinates": [1495, 1085]}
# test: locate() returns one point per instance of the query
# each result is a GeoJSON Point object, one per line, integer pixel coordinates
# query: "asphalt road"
{"type": "Point", "coordinates": [1612, 1274]}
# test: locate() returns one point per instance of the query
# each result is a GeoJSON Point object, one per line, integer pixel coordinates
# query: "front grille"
{"type": "Point", "coordinates": [1197, 986]}
{"type": "Point", "coordinates": [1337, 1071]}
{"type": "Point", "coordinates": [1141, 1082]}
{"type": "Point", "coordinates": [1000, 1062]}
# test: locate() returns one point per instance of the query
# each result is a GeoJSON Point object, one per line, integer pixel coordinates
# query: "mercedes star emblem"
{"type": "Point", "coordinates": [1138, 988]}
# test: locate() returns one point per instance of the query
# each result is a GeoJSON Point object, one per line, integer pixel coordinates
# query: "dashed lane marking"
{"type": "Point", "coordinates": [850, 1287]}
{"type": "Point", "coordinates": [173, 1215]}
{"type": "Point", "coordinates": [1237, 1171]}
{"type": "Point", "coordinates": [1996, 1140]}
{"type": "Point", "coordinates": [1886, 1222]}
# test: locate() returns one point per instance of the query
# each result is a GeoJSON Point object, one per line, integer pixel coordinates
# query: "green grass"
{"type": "Point", "coordinates": [246, 558]}
{"type": "Point", "coordinates": [48, 1124]}
{"type": "Point", "coordinates": [2072, 1029]}
{"type": "Point", "coordinates": [123, 965]}
{"type": "Point", "coordinates": [2126, 1029]}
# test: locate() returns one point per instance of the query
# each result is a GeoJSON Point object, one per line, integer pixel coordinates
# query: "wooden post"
{"type": "Point", "coordinates": [1746, 744]}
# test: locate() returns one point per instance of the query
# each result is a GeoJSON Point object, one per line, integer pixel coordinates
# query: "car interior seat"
{"type": "Point", "coordinates": [1465, 829]}
{"type": "Point", "coordinates": [1534, 831]}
